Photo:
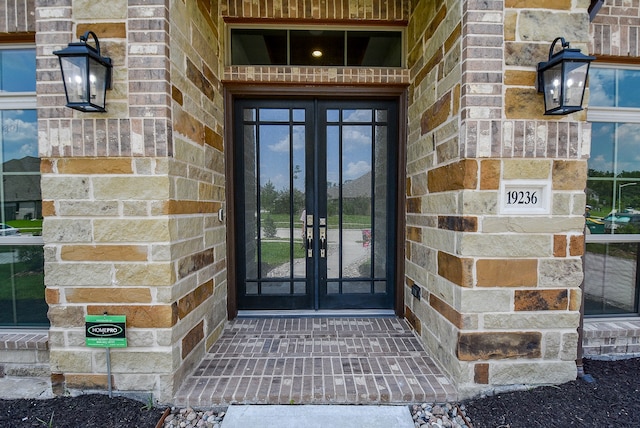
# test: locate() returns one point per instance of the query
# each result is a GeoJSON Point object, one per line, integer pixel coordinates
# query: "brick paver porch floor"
{"type": "Point", "coordinates": [315, 361]}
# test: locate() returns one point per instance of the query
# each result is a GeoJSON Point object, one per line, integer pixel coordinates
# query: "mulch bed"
{"type": "Point", "coordinates": [613, 400]}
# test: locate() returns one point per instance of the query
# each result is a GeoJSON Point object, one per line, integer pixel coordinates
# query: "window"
{"type": "Point", "coordinates": [316, 47]}
{"type": "Point", "coordinates": [22, 302]}
{"type": "Point", "coordinates": [613, 192]}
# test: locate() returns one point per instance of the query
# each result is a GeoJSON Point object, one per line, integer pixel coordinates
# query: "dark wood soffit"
{"type": "Point", "coordinates": [17, 37]}
{"type": "Point", "coordinates": [318, 91]}
{"type": "Point", "coordinates": [296, 22]}
{"type": "Point", "coordinates": [610, 59]}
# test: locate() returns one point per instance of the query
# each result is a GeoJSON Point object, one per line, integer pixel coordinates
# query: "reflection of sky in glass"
{"type": "Point", "coordinates": [17, 70]}
{"type": "Point", "coordinates": [603, 147]}
{"type": "Point", "coordinates": [19, 134]}
{"type": "Point", "coordinates": [614, 87]}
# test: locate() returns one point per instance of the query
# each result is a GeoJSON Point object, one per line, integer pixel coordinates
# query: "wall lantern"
{"type": "Point", "coordinates": [86, 74]}
{"type": "Point", "coordinates": [563, 79]}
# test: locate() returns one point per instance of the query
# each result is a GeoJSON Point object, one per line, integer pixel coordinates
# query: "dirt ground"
{"type": "Point", "coordinates": [613, 400]}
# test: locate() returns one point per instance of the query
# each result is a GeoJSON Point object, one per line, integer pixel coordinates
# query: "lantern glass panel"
{"type": "Point", "coordinates": [576, 74]}
{"type": "Point", "coordinates": [552, 87]}
{"type": "Point", "coordinates": [74, 71]}
{"type": "Point", "coordinates": [97, 82]}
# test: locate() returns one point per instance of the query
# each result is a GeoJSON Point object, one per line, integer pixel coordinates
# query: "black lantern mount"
{"type": "Point", "coordinates": [86, 74]}
{"type": "Point", "coordinates": [563, 79]}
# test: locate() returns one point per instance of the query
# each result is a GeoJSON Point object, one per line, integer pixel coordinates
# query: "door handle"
{"type": "Point", "coordinates": [308, 224]}
{"type": "Point", "coordinates": [323, 237]}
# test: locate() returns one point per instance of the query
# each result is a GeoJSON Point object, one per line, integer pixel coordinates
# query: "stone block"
{"type": "Point", "coordinates": [192, 339]}
{"type": "Point", "coordinates": [560, 273]}
{"type": "Point", "coordinates": [66, 316]}
{"type": "Point", "coordinates": [533, 320]}
{"type": "Point", "coordinates": [108, 295]}
{"type": "Point", "coordinates": [138, 362]}
{"type": "Point", "coordinates": [481, 373]}
{"type": "Point", "coordinates": [57, 230]}
{"type": "Point", "coordinates": [490, 174]}
{"type": "Point", "coordinates": [453, 316]}
{"type": "Point", "coordinates": [84, 274]}
{"type": "Point", "coordinates": [507, 272]}
{"type": "Point", "coordinates": [130, 187]}
{"type": "Point", "coordinates": [523, 103]}
{"type": "Point", "coordinates": [506, 246]}
{"type": "Point", "coordinates": [134, 253]}
{"type": "Point", "coordinates": [569, 175]}
{"type": "Point", "coordinates": [541, 300]}
{"type": "Point", "coordinates": [131, 230]}
{"type": "Point", "coordinates": [88, 209]}
{"type": "Point", "coordinates": [456, 176]}
{"type": "Point", "coordinates": [91, 10]}
{"type": "Point", "coordinates": [58, 188]}
{"type": "Point", "coordinates": [533, 373]}
{"type": "Point", "coordinates": [498, 346]}
{"type": "Point", "coordinates": [485, 301]}
{"type": "Point", "coordinates": [529, 169]}
{"type": "Point", "coordinates": [91, 166]}
{"type": "Point", "coordinates": [88, 381]}
{"type": "Point", "coordinates": [194, 299]}
{"type": "Point", "coordinates": [456, 269]}
{"type": "Point", "coordinates": [70, 361]}
{"type": "Point", "coordinates": [139, 316]}
{"type": "Point", "coordinates": [537, 25]}
{"type": "Point", "coordinates": [145, 274]}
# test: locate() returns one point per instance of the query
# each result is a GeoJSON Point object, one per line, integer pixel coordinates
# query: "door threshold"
{"type": "Point", "coordinates": [327, 313]}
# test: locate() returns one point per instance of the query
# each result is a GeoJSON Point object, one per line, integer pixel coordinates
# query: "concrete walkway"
{"type": "Point", "coordinates": [12, 388]}
{"type": "Point", "coordinates": [314, 416]}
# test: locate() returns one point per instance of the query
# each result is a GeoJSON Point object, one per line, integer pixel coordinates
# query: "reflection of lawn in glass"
{"type": "Point", "coordinates": [27, 226]}
{"type": "Point", "coordinates": [275, 253]}
{"type": "Point", "coordinates": [348, 221]}
{"type": "Point", "coordinates": [29, 289]}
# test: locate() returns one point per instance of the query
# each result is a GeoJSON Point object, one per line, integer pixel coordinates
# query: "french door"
{"type": "Point", "coordinates": [315, 192]}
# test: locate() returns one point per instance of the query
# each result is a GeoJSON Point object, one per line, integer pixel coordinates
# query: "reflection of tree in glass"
{"type": "Point", "coordinates": [269, 227]}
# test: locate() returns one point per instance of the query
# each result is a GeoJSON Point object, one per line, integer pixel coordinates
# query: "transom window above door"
{"type": "Point", "coordinates": [316, 47]}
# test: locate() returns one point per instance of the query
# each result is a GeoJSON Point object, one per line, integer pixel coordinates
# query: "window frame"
{"type": "Point", "coordinates": [288, 28]}
{"type": "Point", "coordinates": [615, 115]}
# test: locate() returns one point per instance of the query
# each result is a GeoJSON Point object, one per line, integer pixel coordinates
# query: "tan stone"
{"type": "Point", "coordinates": [84, 274]}
{"type": "Point", "coordinates": [485, 301]}
{"type": "Point", "coordinates": [192, 339]}
{"type": "Point", "coordinates": [87, 9]}
{"type": "Point", "coordinates": [533, 373]}
{"type": "Point", "coordinates": [507, 273]}
{"type": "Point", "coordinates": [538, 4]}
{"type": "Point", "coordinates": [70, 361]}
{"type": "Point", "coordinates": [456, 176]}
{"type": "Point", "coordinates": [569, 175]}
{"type": "Point", "coordinates": [130, 230]}
{"type": "Point", "coordinates": [576, 245]}
{"type": "Point", "coordinates": [533, 320]}
{"type": "Point", "coordinates": [490, 174]}
{"type": "Point", "coordinates": [507, 246]}
{"type": "Point", "coordinates": [530, 169]}
{"type": "Point", "coordinates": [144, 274]}
{"type": "Point", "coordinates": [88, 208]}
{"type": "Point", "coordinates": [453, 316]}
{"type": "Point", "coordinates": [66, 230]}
{"type": "Point", "coordinates": [66, 316]}
{"type": "Point", "coordinates": [458, 270]}
{"type": "Point", "coordinates": [108, 295]}
{"type": "Point", "coordinates": [140, 316]}
{"type": "Point", "coordinates": [61, 188]}
{"type": "Point", "coordinates": [194, 299]}
{"type": "Point", "coordinates": [104, 252]}
{"type": "Point", "coordinates": [559, 246]}
{"type": "Point", "coordinates": [520, 78]}
{"type": "Point", "coordinates": [88, 381]}
{"type": "Point", "coordinates": [523, 103]}
{"type": "Point", "coordinates": [127, 361]}
{"type": "Point", "coordinates": [532, 224]}
{"type": "Point", "coordinates": [130, 187]}
{"type": "Point", "coordinates": [90, 166]}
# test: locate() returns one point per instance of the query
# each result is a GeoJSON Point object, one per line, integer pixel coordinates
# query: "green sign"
{"type": "Point", "coordinates": [106, 331]}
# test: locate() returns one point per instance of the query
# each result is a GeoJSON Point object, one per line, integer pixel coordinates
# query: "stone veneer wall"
{"type": "Point", "coordinates": [130, 197]}
{"type": "Point", "coordinates": [500, 293]}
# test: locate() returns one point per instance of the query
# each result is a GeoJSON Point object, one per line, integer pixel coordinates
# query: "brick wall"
{"type": "Point", "coordinates": [17, 16]}
{"type": "Point", "coordinates": [615, 31]}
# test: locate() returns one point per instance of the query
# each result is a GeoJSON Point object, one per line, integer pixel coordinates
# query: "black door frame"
{"type": "Point", "coordinates": [397, 93]}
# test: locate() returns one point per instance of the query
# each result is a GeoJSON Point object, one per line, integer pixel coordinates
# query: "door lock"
{"type": "Point", "coordinates": [323, 237]}
{"type": "Point", "coordinates": [308, 224]}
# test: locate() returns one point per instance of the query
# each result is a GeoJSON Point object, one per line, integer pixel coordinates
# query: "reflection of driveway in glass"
{"type": "Point", "coordinates": [9, 257]}
{"type": "Point", "coordinates": [611, 278]}
{"type": "Point", "coordinates": [354, 254]}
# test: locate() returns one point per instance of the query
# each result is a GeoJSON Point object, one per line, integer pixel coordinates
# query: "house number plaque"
{"type": "Point", "coordinates": [525, 197]}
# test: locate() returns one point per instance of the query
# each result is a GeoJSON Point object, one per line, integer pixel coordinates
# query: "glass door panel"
{"type": "Point", "coordinates": [315, 195]}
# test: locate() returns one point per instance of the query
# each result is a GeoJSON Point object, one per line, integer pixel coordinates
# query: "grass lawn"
{"type": "Point", "coordinates": [275, 253]}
